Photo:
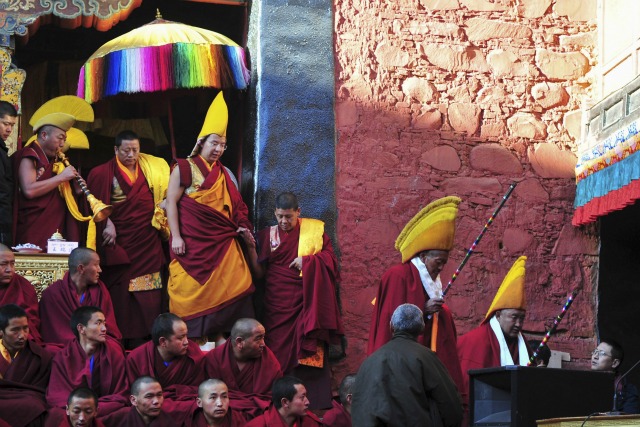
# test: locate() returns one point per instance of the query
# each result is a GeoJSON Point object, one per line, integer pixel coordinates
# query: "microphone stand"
{"type": "Point", "coordinates": [615, 411]}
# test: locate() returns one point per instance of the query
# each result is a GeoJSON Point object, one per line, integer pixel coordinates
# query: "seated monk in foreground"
{"type": "Point", "coordinates": [146, 405]}
{"type": "Point", "coordinates": [247, 366]}
{"type": "Point", "coordinates": [340, 414]}
{"type": "Point", "coordinates": [211, 408]}
{"type": "Point", "coordinates": [174, 360]}
{"type": "Point", "coordinates": [93, 360]}
{"type": "Point", "coordinates": [15, 289]}
{"type": "Point", "coordinates": [24, 370]}
{"type": "Point", "coordinates": [82, 409]}
{"type": "Point", "coordinates": [80, 287]}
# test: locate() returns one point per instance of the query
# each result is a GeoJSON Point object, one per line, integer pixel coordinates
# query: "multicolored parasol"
{"type": "Point", "coordinates": [163, 55]}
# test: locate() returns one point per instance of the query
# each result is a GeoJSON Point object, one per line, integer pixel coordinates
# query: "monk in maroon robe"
{"type": "Point", "coordinates": [147, 403]}
{"type": "Point", "coordinates": [247, 366]}
{"type": "Point", "coordinates": [25, 375]}
{"type": "Point", "coordinates": [172, 359]}
{"type": "Point", "coordinates": [93, 360]}
{"type": "Point", "coordinates": [402, 284]}
{"type": "Point", "coordinates": [290, 406]}
{"type": "Point", "coordinates": [39, 209]}
{"type": "Point", "coordinates": [80, 287]}
{"type": "Point", "coordinates": [301, 311]}
{"type": "Point", "coordinates": [15, 289]}
{"type": "Point", "coordinates": [340, 414]}
{"type": "Point", "coordinates": [129, 241]}
{"type": "Point", "coordinates": [211, 408]}
{"type": "Point", "coordinates": [82, 409]}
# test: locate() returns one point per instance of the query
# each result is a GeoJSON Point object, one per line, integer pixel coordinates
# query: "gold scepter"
{"type": "Point", "coordinates": [99, 209]}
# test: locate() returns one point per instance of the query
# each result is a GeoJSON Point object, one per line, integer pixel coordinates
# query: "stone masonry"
{"type": "Point", "coordinates": [463, 97]}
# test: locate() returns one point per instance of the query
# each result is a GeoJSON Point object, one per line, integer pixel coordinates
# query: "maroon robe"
{"type": "Point", "coordinates": [401, 284]}
{"type": "Point", "coordinates": [95, 423]}
{"type": "Point", "coordinates": [137, 251]}
{"type": "Point", "coordinates": [59, 301]}
{"type": "Point", "coordinates": [21, 292]}
{"type": "Point", "coordinates": [478, 349]}
{"type": "Point", "coordinates": [38, 218]}
{"type": "Point", "coordinates": [23, 383]}
{"type": "Point", "coordinates": [249, 389]}
{"type": "Point", "coordinates": [337, 416]}
{"type": "Point", "coordinates": [179, 380]}
{"type": "Point", "coordinates": [133, 419]}
{"type": "Point", "coordinates": [71, 369]}
{"type": "Point", "coordinates": [272, 418]}
{"type": "Point", "coordinates": [208, 234]}
{"type": "Point", "coordinates": [197, 419]}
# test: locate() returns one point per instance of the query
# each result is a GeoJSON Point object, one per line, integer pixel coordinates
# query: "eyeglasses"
{"type": "Point", "coordinates": [223, 147]}
{"type": "Point", "coordinates": [600, 353]}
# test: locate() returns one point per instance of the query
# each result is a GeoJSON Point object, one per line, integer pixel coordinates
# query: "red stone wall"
{"type": "Point", "coordinates": [462, 97]}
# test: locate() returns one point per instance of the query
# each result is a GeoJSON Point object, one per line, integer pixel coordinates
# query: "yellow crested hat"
{"type": "Point", "coordinates": [511, 292]}
{"type": "Point", "coordinates": [216, 119]}
{"type": "Point", "coordinates": [431, 228]}
{"type": "Point", "coordinates": [63, 112]}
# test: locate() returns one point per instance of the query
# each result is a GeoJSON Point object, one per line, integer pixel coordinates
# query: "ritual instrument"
{"type": "Point", "coordinates": [551, 330]}
{"type": "Point", "coordinates": [99, 209]}
{"type": "Point", "coordinates": [434, 328]}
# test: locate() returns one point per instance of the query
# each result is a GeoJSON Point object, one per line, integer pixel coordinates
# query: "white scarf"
{"type": "Point", "coordinates": [433, 287]}
{"type": "Point", "coordinates": [505, 354]}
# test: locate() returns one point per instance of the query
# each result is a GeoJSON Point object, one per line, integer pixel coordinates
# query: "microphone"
{"type": "Point", "coordinates": [614, 411]}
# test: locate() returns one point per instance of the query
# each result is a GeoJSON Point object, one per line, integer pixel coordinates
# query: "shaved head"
{"type": "Point", "coordinates": [243, 328]}
{"type": "Point", "coordinates": [5, 248]}
{"type": "Point", "coordinates": [204, 386]}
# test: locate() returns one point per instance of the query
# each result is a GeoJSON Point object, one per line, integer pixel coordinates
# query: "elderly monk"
{"type": "Point", "coordinates": [424, 244]}
{"type": "Point", "coordinates": [301, 310]}
{"type": "Point", "coordinates": [340, 414]}
{"type": "Point", "coordinates": [290, 406]}
{"type": "Point", "coordinates": [130, 240]}
{"type": "Point", "coordinates": [80, 287]}
{"type": "Point", "coordinates": [147, 405]}
{"type": "Point", "coordinates": [94, 360]}
{"type": "Point", "coordinates": [82, 409]}
{"type": "Point", "coordinates": [498, 341]}
{"type": "Point", "coordinates": [39, 208]}
{"type": "Point", "coordinates": [15, 289]}
{"type": "Point", "coordinates": [24, 370]}
{"type": "Point", "coordinates": [212, 407]}
{"type": "Point", "coordinates": [247, 366]}
{"type": "Point", "coordinates": [210, 284]}
{"type": "Point", "coordinates": [173, 359]}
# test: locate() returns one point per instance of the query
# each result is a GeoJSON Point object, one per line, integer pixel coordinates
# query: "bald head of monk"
{"type": "Point", "coordinates": [247, 336]}
{"type": "Point", "coordinates": [7, 265]}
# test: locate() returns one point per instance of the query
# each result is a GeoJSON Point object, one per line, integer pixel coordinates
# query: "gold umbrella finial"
{"type": "Point", "coordinates": [158, 14]}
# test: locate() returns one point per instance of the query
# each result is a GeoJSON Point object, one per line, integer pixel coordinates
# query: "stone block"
{"type": "Point", "coordinates": [549, 95]}
{"type": "Point", "coordinates": [346, 113]}
{"type": "Point", "coordinates": [549, 161]}
{"type": "Point", "coordinates": [491, 95]}
{"type": "Point", "coordinates": [531, 191]}
{"type": "Point", "coordinates": [494, 158]}
{"type": "Point", "coordinates": [391, 56]}
{"type": "Point", "coordinates": [472, 186]}
{"type": "Point", "coordinates": [508, 64]}
{"type": "Point", "coordinates": [572, 122]}
{"type": "Point", "coordinates": [431, 120]}
{"type": "Point", "coordinates": [464, 117]}
{"type": "Point", "coordinates": [420, 89]}
{"type": "Point", "coordinates": [578, 41]}
{"type": "Point", "coordinates": [442, 29]}
{"type": "Point", "coordinates": [493, 130]}
{"type": "Point", "coordinates": [573, 242]}
{"type": "Point", "coordinates": [486, 5]}
{"type": "Point", "coordinates": [562, 66]}
{"type": "Point", "coordinates": [532, 8]}
{"type": "Point", "coordinates": [526, 125]}
{"type": "Point", "coordinates": [457, 58]}
{"type": "Point", "coordinates": [479, 29]}
{"type": "Point", "coordinates": [583, 10]}
{"type": "Point", "coordinates": [516, 241]}
{"type": "Point", "coordinates": [440, 4]}
{"type": "Point", "coordinates": [443, 158]}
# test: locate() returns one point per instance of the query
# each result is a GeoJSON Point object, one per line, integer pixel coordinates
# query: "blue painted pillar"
{"type": "Point", "coordinates": [290, 47]}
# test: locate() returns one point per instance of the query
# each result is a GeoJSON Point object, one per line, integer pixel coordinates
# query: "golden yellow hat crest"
{"type": "Point", "coordinates": [217, 118]}
{"type": "Point", "coordinates": [63, 112]}
{"type": "Point", "coordinates": [511, 292]}
{"type": "Point", "coordinates": [431, 228]}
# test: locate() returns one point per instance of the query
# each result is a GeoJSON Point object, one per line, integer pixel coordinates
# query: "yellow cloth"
{"type": "Point", "coordinates": [431, 228]}
{"type": "Point", "coordinates": [156, 171]}
{"type": "Point", "coordinates": [511, 292]}
{"type": "Point", "coordinates": [5, 353]}
{"type": "Point", "coordinates": [133, 177]}
{"type": "Point", "coordinates": [67, 194]}
{"type": "Point", "coordinates": [311, 233]}
{"type": "Point", "coordinates": [229, 280]}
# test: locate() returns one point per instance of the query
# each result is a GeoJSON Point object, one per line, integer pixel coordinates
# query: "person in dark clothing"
{"type": "Point", "coordinates": [8, 119]}
{"type": "Point", "coordinates": [404, 383]}
{"type": "Point", "coordinates": [608, 356]}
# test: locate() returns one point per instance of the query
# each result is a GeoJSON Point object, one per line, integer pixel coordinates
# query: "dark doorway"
{"type": "Point", "coordinates": [53, 56]}
{"type": "Point", "coordinates": [619, 284]}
